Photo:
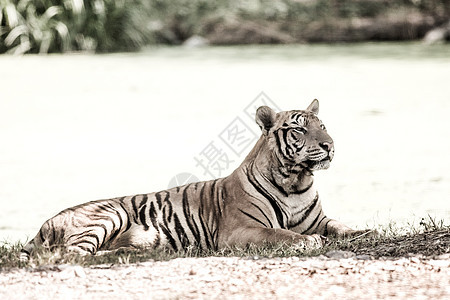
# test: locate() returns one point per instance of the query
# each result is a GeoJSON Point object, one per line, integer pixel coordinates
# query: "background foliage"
{"type": "Point", "coordinates": [42, 26]}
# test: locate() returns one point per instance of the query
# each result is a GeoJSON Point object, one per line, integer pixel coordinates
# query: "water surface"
{"type": "Point", "coordinates": [75, 128]}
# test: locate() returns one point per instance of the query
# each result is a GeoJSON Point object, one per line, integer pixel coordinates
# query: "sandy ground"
{"type": "Point", "coordinates": [356, 277]}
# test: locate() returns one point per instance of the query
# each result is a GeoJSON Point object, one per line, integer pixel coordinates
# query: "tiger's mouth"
{"type": "Point", "coordinates": [314, 165]}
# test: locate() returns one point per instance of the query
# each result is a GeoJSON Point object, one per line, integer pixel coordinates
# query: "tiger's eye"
{"type": "Point", "coordinates": [300, 130]}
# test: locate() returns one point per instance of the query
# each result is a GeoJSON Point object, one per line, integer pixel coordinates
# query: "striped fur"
{"type": "Point", "coordinates": [270, 197]}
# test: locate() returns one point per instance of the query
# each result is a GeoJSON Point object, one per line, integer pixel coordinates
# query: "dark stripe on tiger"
{"type": "Point", "coordinates": [143, 201]}
{"type": "Point", "coordinates": [165, 229]}
{"type": "Point", "coordinates": [326, 228]}
{"type": "Point", "coordinates": [215, 235]}
{"type": "Point", "coordinates": [314, 222]}
{"type": "Point", "coordinates": [128, 218]}
{"type": "Point", "coordinates": [169, 236]}
{"type": "Point", "coordinates": [142, 217]}
{"type": "Point", "coordinates": [153, 216]}
{"type": "Point", "coordinates": [105, 233]}
{"type": "Point", "coordinates": [85, 233]}
{"type": "Point", "coordinates": [41, 235]}
{"type": "Point", "coordinates": [166, 225]}
{"type": "Point", "coordinates": [84, 241]}
{"type": "Point", "coordinates": [269, 197]}
{"type": "Point", "coordinates": [324, 217]}
{"type": "Point", "coordinates": [189, 218]}
{"type": "Point", "coordinates": [264, 214]}
{"type": "Point", "coordinates": [182, 236]}
{"type": "Point", "coordinates": [209, 239]}
{"type": "Point", "coordinates": [202, 192]}
{"type": "Point", "coordinates": [253, 218]}
{"type": "Point", "coordinates": [135, 210]}
{"type": "Point", "coordinates": [279, 146]}
{"type": "Point", "coordinates": [307, 210]}
{"type": "Point", "coordinates": [205, 231]}
{"type": "Point", "coordinates": [309, 207]}
{"type": "Point", "coordinates": [306, 188]}
{"type": "Point", "coordinates": [54, 232]}
{"type": "Point", "coordinates": [280, 188]}
{"type": "Point", "coordinates": [158, 200]}
{"type": "Point", "coordinates": [213, 195]}
{"type": "Point", "coordinates": [259, 208]}
{"type": "Point", "coordinates": [169, 205]}
{"type": "Point", "coordinates": [288, 147]}
{"type": "Point", "coordinates": [92, 251]}
{"type": "Point", "coordinates": [115, 231]}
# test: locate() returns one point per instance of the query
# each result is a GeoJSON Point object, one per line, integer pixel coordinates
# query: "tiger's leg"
{"type": "Point", "coordinates": [93, 240]}
{"type": "Point", "coordinates": [339, 229]}
{"type": "Point", "coordinates": [261, 235]}
{"type": "Point", "coordinates": [102, 225]}
{"type": "Point", "coordinates": [87, 239]}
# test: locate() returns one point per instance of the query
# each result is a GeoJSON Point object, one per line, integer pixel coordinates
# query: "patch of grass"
{"type": "Point", "coordinates": [429, 238]}
{"type": "Point", "coordinates": [9, 255]}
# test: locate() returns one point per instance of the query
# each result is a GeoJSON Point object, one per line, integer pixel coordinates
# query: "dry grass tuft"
{"type": "Point", "coordinates": [430, 238]}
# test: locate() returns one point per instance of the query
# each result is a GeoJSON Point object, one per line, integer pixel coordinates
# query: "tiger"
{"type": "Point", "coordinates": [269, 198]}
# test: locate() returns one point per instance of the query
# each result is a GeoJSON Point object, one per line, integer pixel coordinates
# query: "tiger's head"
{"type": "Point", "coordinates": [297, 138]}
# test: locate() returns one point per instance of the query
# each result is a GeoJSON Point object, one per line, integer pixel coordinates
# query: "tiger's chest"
{"type": "Point", "coordinates": [298, 207]}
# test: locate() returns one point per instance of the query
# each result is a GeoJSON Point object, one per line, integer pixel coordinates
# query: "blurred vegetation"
{"type": "Point", "coordinates": [43, 26]}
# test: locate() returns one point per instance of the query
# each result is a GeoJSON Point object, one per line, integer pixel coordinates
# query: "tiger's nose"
{"type": "Point", "coordinates": [326, 146]}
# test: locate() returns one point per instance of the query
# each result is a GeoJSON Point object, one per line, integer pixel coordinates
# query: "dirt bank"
{"type": "Point", "coordinates": [396, 26]}
{"type": "Point", "coordinates": [237, 278]}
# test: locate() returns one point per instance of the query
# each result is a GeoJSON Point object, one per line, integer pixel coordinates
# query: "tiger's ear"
{"type": "Point", "coordinates": [314, 107]}
{"type": "Point", "coordinates": [265, 118]}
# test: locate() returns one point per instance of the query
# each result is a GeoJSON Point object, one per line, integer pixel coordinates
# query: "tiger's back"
{"type": "Point", "coordinates": [173, 218]}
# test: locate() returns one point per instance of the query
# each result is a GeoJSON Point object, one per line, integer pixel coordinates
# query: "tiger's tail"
{"type": "Point", "coordinates": [26, 251]}
{"type": "Point", "coordinates": [44, 238]}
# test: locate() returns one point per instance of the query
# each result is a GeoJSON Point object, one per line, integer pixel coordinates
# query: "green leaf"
{"type": "Point", "coordinates": [15, 33]}
{"type": "Point", "coordinates": [23, 47]}
{"type": "Point", "coordinates": [52, 11]}
{"type": "Point", "coordinates": [12, 15]}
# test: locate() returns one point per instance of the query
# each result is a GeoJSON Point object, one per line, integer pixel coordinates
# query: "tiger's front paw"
{"type": "Point", "coordinates": [355, 234]}
{"type": "Point", "coordinates": [313, 241]}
